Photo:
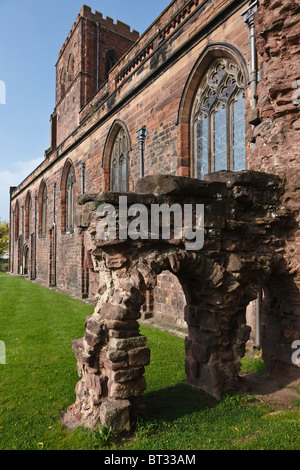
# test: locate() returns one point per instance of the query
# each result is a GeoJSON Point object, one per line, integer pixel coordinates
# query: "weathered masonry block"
{"type": "Point", "coordinates": [246, 224]}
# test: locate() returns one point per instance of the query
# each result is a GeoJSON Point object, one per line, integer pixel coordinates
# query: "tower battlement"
{"type": "Point", "coordinates": [117, 27]}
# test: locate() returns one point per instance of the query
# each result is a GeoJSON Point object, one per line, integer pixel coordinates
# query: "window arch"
{"type": "Point", "coordinates": [110, 61]}
{"type": "Point", "coordinates": [28, 211]}
{"type": "Point", "coordinates": [119, 163]}
{"type": "Point", "coordinates": [43, 209]}
{"type": "Point", "coordinates": [17, 220]}
{"type": "Point", "coordinates": [68, 196]}
{"type": "Point", "coordinates": [70, 69]}
{"type": "Point", "coordinates": [70, 199]}
{"type": "Point", "coordinates": [218, 120]}
{"type": "Point", "coordinates": [63, 83]}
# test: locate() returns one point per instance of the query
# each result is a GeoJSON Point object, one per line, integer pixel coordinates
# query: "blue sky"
{"type": "Point", "coordinates": [31, 35]}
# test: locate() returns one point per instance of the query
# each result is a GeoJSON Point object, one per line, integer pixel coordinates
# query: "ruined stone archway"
{"type": "Point", "coordinates": [244, 224]}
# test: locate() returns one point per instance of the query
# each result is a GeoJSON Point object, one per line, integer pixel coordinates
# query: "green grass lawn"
{"type": "Point", "coordinates": [39, 377]}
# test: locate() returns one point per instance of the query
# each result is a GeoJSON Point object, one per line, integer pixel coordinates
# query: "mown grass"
{"type": "Point", "coordinates": [39, 377]}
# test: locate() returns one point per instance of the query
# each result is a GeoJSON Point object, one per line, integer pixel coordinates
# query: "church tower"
{"type": "Point", "coordinates": [92, 48]}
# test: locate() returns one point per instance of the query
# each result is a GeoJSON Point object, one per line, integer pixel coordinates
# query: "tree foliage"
{"type": "Point", "coordinates": [4, 238]}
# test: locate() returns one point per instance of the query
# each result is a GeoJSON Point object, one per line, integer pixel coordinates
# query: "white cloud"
{"type": "Point", "coordinates": [2, 92]}
{"type": "Point", "coordinates": [13, 177]}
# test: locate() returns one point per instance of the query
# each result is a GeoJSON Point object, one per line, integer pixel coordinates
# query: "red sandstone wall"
{"type": "Point", "coordinates": [277, 135]}
{"type": "Point", "coordinates": [169, 300]}
{"type": "Point", "coordinates": [154, 98]}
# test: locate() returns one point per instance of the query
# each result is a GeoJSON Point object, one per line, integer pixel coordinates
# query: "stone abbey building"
{"type": "Point", "coordinates": [210, 86]}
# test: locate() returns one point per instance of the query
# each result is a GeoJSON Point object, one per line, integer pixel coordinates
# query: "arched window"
{"type": "Point", "coordinates": [63, 83]}
{"type": "Point", "coordinates": [67, 191]}
{"type": "Point", "coordinates": [109, 62]}
{"type": "Point", "coordinates": [17, 220]}
{"type": "Point", "coordinates": [43, 209]}
{"type": "Point", "coordinates": [70, 199]}
{"type": "Point", "coordinates": [28, 210]}
{"type": "Point", "coordinates": [119, 163]}
{"type": "Point", "coordinates": [218, 120]}
{"type": "Point", "coordinates": [70, 69]}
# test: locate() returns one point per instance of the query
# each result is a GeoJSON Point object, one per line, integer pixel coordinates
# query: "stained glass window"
{"type": "Point", "coordinates": [239, 134]}
{"type": "Point", "coordinates": [220, 138]}
{"type": "Point", "coordinates": [218, 120]}
{"type": "Point", "coordinates": [114, 176]}
{"type": "Point", "coordinates": [119, 164]}
{"type": "Point", "coordinates": [202, 147]}
{"type": "Point", "coordinates": [123, 175]}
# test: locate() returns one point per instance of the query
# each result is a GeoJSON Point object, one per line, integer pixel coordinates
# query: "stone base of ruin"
{"type": "Point", "coordinates": [246, 225]}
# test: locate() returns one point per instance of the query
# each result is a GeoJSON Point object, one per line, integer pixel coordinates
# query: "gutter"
{"type": "Point", "coordinates": [248, 16]}
{"type": "Point", "coordinates": [98, 50]}
{"type": "Point", "coordinates": [141, 135]}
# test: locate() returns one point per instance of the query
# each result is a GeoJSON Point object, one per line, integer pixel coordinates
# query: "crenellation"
{"type": "Point", "coordinates": [117, 27]}
{"type": "Point", "coordinates": [69, 36]}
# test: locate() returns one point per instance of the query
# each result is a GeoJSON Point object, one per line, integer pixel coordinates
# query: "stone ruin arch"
{"type": "Point", "coordinates": [245, 227]}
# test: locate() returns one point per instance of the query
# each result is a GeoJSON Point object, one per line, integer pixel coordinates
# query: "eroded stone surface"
{"type": "Point", "coordinates": [115, 414]}
{"type": "Point", "coordinates": [245, 223]}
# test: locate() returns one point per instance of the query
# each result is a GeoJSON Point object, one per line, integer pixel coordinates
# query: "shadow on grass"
{"type": "Point", "coordinates": [174, 402]}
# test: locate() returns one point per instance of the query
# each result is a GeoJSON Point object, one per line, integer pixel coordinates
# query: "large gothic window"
{"type": "Point", "coordinates": [218, 120]}
{"type": "Point", "coordinates": [43, 209]}
{"type": "Point", "coordinates": [119, 163]}
{"type": "Point", "coordinates": [28, 210]}
{"type": "Point", "coordinates": [67, 192]}
{"type": "Point", "coordinates": [70, 199]}
{"type": "Point", "coordinates": [17, 221]}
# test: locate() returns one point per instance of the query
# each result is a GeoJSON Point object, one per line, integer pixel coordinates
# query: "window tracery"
{"type": "Point", "coordinates": [218, 120]}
